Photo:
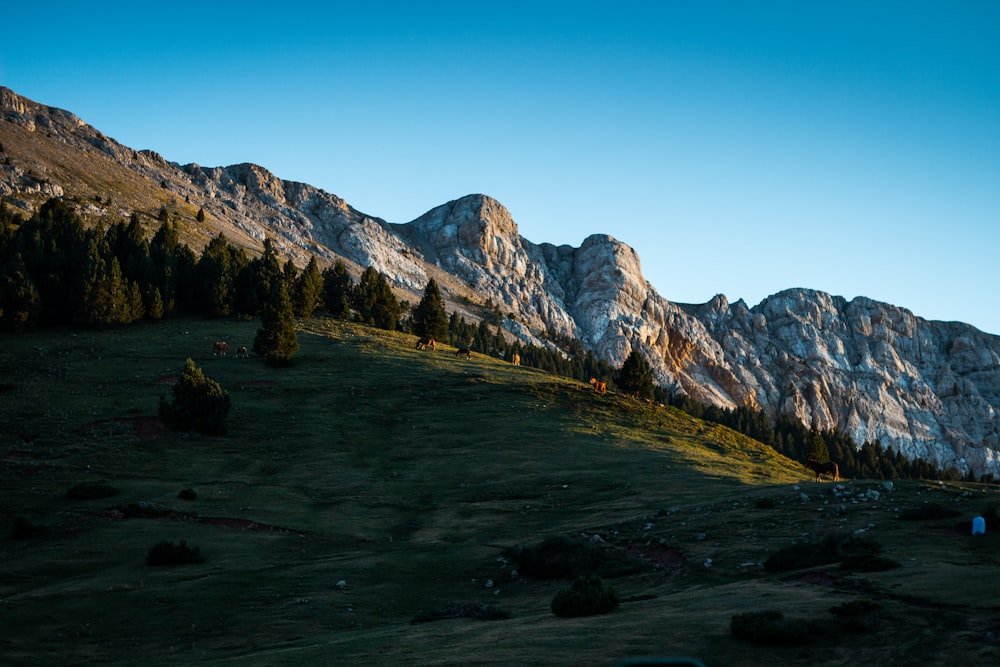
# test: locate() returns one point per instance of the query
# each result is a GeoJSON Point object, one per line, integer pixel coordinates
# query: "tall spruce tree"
{"type": "Point", "coordinates": [429, 317]}
{"type": "Point", "coordinates": [276, 339]}
{"type": "Point", "coordinates": [635, 376]}
{"type": "Point", "coordinates": [376, 304]}
{"type": "Point", "coordinates": [308, 289]}
{"type": "Point", "coordinates": [337, 290]}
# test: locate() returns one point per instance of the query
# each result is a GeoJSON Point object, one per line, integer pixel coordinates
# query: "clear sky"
{"type": "Point", "coordinates": [741, 147]}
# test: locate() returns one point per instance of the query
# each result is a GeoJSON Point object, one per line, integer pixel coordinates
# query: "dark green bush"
{"type": "Point", "coordinates": [587, 596]}
{"type": "Point", "coordinates": [857, 616]}
{"type": "Point", "coordinates": [560, 557]}
{"type": "Point", "coordinates": [831, 549]}
{"type": "Point", "coordinates": [168, 553]}
{"type": "Point", "coordinates": [187, 494]}
{"type": "Point", "coordinates": [771, 628]}
{"type": "Point", "coordinates": [927, 512]}
{"type": "Point", "coordinates": [765, 504]}
{"type": "Point", "coordinates": [23, 529]}
{"type": "Point", "coordinates": [200, 404]}
{"type": "Point", "coordinates": [863, 562]}
{"type": "Point", "coordinates": [461, 610]}
{"type": "Point", "coordinates": [91, 492]}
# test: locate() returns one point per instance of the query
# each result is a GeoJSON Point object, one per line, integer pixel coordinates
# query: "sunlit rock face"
{"type": "Point", "coordinates": [876, 371]}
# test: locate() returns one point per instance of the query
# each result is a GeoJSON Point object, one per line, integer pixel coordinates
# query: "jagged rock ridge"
{"type": "Point", "coordinates": [929, 389]}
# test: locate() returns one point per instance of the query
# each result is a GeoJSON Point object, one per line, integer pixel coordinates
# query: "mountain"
{"type": "Point", "coordinates": [874, 370]}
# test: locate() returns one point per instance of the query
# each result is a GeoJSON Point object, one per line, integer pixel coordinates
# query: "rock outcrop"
{"type": "Point", "coordinates": [876, 371]}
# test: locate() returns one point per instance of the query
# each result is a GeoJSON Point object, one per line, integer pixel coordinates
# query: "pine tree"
{"type": "Point", "coordinates": [308, 289]}
{"type": "Point", "coordinates": [337, 290]}
{"type": "Point", "coordinates": [20, 304]}
{"type": "Point", "coordinates": [429, 317]}
{"type": "Point", "coordinates": [276, 339]}
{"type": "Point", "coordinates": [376, 304]}
{"type": "Point", "coordinates": [199, 403]}
{"type": "Point", "coordinates": [636, 377]}
{"type": "Point", "coordinates": [217, 277]}
{"type": "Point", "coordinates": [816, 448]}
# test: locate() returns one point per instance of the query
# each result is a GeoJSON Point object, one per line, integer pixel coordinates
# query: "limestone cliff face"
{"type": "Point", "coordinates": [929, 389]}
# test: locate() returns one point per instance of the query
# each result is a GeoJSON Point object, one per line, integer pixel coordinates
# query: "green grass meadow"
{"type": "Point", "coordinates": [371, 481]}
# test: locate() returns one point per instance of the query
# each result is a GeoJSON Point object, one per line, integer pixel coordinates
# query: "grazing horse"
{"type": "Point", "coordinates": [241, 352]}
{"type": "Point", "coordinates": [516, 360]}
{"type": "Point", "coordinates": [828, 468]}
{"type": "Point", "coordinates": [220, 347]}
{"type": "Point", "coordinates": [464, 352]}
{"type": "Point", "coordinates": [599, 387]}
{"type": "Point", "coordinates": [424, 343]}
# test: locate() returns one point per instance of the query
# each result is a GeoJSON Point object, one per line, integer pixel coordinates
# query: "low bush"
{"type": "Point", "coordinates": [927, 512]}
{"type": "Point", "coordinates": [199, 403]}
{"type": "Point", "coordinates": [481, 612]}
{"type": "Point", "coordinates": [23, 529]}
{"type": "Point", "coordinates": [187, 494]}
{"type": "Point", "coordinates": [867, 562]}
{"type": "Point", "coordinates": [560, 557]}
{"type": "Point", "coordinates": [831, 549]}
{"type": "Point", "coordinates": [586, 597]}
{"type": "Point", "coordinates": [91, 492]}
{"type": "Point", "coordinates": [765, 504]}
{"type": "Point", "coordinates": [771, 628]}
{"type": "Point", "coordinates": [168, 553]}
{"type": "Point", "coordinates": [857, 616]}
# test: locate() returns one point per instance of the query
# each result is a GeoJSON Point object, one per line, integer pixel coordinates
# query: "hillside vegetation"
{"type": "Point", "coordinates": [371, 485]}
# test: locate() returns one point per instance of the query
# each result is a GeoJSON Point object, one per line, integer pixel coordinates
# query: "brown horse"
{"type": "Point", "coordinates": [828, 468]}
{"type": "Point", "coordinates": [599, 387]}
{"type": "Point", "coordinates": [220, 347]}
{"type": "Point", "coordinates": [242, 352]}
{"type": "Point", "coordinates": [464, 352]}
{"type": "Point", "coordinates": [425, 342]}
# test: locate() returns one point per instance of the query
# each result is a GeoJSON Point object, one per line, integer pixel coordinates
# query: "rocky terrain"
{"type": "Point", "coordinates": [874, 370]}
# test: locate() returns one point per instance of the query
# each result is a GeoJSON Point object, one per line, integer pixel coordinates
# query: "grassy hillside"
{"type": "Point", "coordinates": [372, 483]}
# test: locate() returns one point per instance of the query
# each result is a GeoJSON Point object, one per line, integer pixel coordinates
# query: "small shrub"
{"type": "Point", "coordinates": [586, 597]}
{"type": "Point", "coordinates": [91, 492]}
{"type": "Point", "coordinates": [868, 563]}
{"type": "Point", "coordinates": [857, 616]}
{"type": "Point", "coordinates": [771, 628]}
{"type": "Point", "coordinates": [927, 512]}
{"type": "Point", "coordinates": [23, 529]}
{"type": "Point", "coordinates": [200, 404]}
{"type": "Point", "coordinates": [831, 549]}
{"type": "Point", "coordinates": [481, 612]}
{"type": "Point", "coordinates": [765, 504]}
{"type": "Point", "coordinates": [559, 557]}
{"type": "Point", "coordinates": [187, 494]}
{"type": "Point", "coordinates": [168, 553]}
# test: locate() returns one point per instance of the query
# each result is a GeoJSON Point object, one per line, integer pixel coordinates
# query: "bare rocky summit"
{"type": "Point", "coordinates": [871, 369]}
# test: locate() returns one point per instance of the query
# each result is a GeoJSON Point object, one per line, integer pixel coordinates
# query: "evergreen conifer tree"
{"type": "Point", "coordinates": [276, 339]}
{"type": "Point", "coordinates": [429, 317]}
{"type": "Point", "coordinates": [375, 302]}
{"type": "Point", "coordinates": [199, 403]}
{"type": "Point", "coordinates": [308, 289]}
{"type": "Point", "coordinates": [636, 377]}
{"type": "Point", "coordinates": [338, 290]}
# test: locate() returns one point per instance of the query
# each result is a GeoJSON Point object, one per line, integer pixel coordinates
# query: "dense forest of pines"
{"type": "Point", "coordinates": [55, 271]}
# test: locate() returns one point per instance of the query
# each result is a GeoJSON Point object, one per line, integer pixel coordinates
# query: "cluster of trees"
{"type": "Point", "coordinates": [54, 270]}
{"type": "Point", "coordinates": [792, 438]}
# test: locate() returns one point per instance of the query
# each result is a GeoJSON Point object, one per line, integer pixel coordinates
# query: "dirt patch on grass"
{"type": "Point", "coordinates": [145, 427]}
{"type": "Point", "coordinates": [658, 554]}
{"type": "Point", "coordinates": [255, 384]}
{"type": "Point", "coordinates": [163, 513]}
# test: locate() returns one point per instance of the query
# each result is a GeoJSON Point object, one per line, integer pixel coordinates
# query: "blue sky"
{"type": "Point", "coordinates": [741, 148]}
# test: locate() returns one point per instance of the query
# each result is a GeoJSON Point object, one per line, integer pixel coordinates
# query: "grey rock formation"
{"type": "Point", "coordinates": [876, 371]}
